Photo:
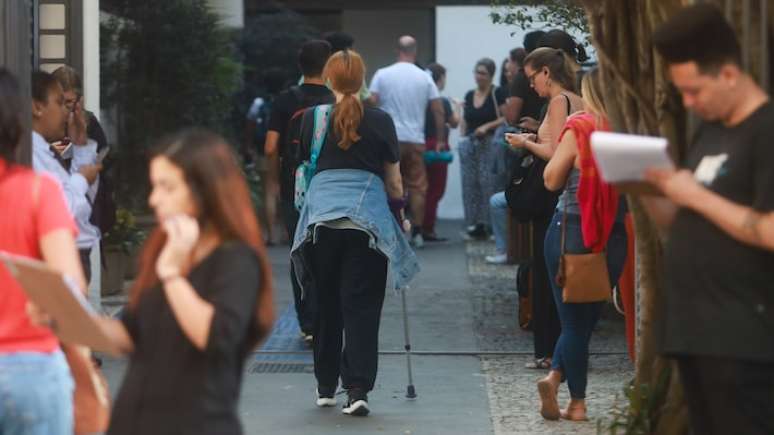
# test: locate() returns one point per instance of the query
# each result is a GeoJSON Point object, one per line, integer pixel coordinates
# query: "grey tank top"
{"type": "Point", "coordinates": [570, 194]}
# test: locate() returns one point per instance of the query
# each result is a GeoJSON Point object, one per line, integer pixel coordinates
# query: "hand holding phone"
{"type": "Point", "coordinates": [64, 148]}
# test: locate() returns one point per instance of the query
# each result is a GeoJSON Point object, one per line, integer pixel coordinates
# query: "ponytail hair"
{"type": "Point", "coordinates": [345, 70]}
{"type": "Point", "coordinates": [559, 65]}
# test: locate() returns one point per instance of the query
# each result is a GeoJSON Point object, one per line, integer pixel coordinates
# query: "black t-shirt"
{"type": "Point", "coordinates": [430, 118]}
{"type": "Point", "coordinates": [718, 298]}
{"type": "Point", "coordinates": [287, 103]}
{"type": "Point", "coordinates": [284, 107]}
{"type": "Point", "coordinates": [532, 103]}
{"type": "Point", "coordinates": [173, 387]}
{"type": "Point", "coordinates": [378, 144]}
{"type": "Point", "coordinates": [477, 116]}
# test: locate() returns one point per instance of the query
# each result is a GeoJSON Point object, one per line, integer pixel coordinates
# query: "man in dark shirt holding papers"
{"type": "Point", "coordinates": [718, 306]}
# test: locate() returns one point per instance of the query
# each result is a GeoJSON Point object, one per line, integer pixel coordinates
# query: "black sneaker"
{"type": "Point", "coordinates": [477, 231]}
{"type": "Point", "coordinates": [357, 403]}
{"type": "Point", "coordinates": [326, 396]}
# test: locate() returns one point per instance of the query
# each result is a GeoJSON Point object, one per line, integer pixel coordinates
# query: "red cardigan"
{"type": "Point", "coordinates": [598, 200]}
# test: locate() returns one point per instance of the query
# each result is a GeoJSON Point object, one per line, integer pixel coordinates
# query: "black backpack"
{"type": "Point", "coordinates": [290, 153]}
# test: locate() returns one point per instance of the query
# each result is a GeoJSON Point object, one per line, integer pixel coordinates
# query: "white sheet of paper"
{"type": "Point", "coordinates": [625, 157]}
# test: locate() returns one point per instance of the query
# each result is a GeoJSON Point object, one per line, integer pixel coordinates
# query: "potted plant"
{"type": "Point", "coordinates": [118, 244]}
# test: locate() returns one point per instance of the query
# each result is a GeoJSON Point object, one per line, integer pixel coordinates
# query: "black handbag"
{"type": "Point", "coordinates": [526, 194]}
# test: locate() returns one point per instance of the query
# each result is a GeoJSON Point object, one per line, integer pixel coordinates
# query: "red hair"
{"type": "Point", "coordinates": [219, 188]}
{"type": "Point", "coordinates": [345, 70]}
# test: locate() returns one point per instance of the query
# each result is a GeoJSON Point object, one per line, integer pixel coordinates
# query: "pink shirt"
{"type": "Point", "coordinates": [23, 223]}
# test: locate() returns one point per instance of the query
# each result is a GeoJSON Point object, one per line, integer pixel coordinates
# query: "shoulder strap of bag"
{"type": "Point", "coordinates": [566, 186]}
{"type": "Point", "coordinates": [494, 101]}
{"type": "Point", "coordinates": [564, 216]}
{"type": "Point", "coordinates": [321, 120]}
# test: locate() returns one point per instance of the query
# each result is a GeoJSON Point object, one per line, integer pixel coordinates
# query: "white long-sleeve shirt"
{"type": "Point", "coordinates": [74, 184]}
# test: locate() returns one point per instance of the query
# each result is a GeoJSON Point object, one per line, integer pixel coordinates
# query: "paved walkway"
{"type": "Point", "coordinates": [461, 310]}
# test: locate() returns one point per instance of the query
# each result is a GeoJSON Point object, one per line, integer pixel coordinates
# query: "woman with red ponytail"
{"type": "Point", "coordinates": [347, 236]}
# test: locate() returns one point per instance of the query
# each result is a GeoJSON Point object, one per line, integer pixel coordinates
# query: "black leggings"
{"type": "Point", "coordinates": [350, 278]}
{"type": "Point", "coordinates": [545, 317]}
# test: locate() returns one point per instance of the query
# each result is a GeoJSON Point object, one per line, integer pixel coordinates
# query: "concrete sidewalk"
{"type": "Point", "coordinates": [458, 307]}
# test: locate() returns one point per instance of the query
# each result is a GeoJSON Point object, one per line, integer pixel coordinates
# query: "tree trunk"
{"type": "Point", "coordinates": [639, 100]}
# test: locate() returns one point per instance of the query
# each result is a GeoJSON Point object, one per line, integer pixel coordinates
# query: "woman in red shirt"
{"type": "Point", "coordinates": [35, 383]}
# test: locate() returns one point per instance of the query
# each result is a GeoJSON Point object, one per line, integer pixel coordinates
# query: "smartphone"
{"type": "Point", "coordinates": [67, 152]}
{"type": "Point", "coordinates": [102, 154]}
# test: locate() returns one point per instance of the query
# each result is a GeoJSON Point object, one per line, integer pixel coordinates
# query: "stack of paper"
{"type": "Point", "coordinates": [625, 157]}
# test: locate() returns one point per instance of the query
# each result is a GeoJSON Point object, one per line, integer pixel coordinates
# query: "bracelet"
{"type": "Point", "coordinates": [170, 277]}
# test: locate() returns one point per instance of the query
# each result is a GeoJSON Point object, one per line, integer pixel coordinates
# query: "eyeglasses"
{"type": "Point", "coordinates": [532, 76]}
{"type": "Point", "coordinates": [481, 72]}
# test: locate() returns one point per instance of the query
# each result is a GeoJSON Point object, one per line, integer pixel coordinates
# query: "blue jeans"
{"type": "Point", "coordinates": [36, 394]}
{"type": "Point", "coordinates": [571, 355]}
{"type": "Point", "coordinates": [498, 214]}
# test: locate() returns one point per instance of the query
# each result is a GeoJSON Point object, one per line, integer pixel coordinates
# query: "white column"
{"type": "Point", "coordinates": [91, 73]}
{"type": "Point", "coordinates": [231, 12]}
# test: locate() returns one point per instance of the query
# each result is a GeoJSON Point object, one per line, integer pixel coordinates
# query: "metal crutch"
{"type": "Point", "coordinates": [410, 391]}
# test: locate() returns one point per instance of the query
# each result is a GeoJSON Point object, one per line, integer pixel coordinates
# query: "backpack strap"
{"type": "Point", "coordinates": [298, 94]}
{"type": "Point", "coordinates": [321, 122]}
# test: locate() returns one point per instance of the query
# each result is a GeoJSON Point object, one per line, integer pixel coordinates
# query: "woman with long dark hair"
{"type": "Point", "coordinates": [36, 388]}
{"type": "Point", "coordinates": [202, 300]}
{"type": "Point", "coordinates": [347, 236]}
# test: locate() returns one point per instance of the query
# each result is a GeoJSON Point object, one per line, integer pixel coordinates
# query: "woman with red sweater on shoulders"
{"type": "Point", "coordinates": [594, 223]}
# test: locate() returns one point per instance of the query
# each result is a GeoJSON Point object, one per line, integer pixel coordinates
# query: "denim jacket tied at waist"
{"type": "Point", "coordinates": [360, 196]}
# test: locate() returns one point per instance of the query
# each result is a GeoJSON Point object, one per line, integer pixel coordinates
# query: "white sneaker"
{"type": "Point", "coordinates": [418, 241]}
{"type": "Point", "coordinates": [496, 259]}
{"type": "Point", "coordinates": [326, 401]}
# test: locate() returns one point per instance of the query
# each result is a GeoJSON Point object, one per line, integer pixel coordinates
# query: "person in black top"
{"type": "Point", "coordinates": [311, 60]}
{"type": "Point", "coordinates": [202, 300]}
{"type": "Point", "coordinates": [349, 272]}
{"type": "Point", "coordinates": [483, 114]}
{"type": "Point", "coordinates": [718, 304]}
{"type": "Point", "coordinates": [524, 101]}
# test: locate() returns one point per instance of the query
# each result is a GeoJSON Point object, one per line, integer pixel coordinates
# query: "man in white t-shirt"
{"type": "Point", "coordinates": [403, 90]}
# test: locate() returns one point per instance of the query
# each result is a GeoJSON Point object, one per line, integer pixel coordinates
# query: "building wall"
{"type": "Point", "coordinates": [91, 72]}
{"type": "Point", "coordinates": [465, 34]}
{"type": "Point", "coordinates": [376, 34]}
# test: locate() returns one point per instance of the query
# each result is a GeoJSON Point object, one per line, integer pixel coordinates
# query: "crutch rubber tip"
{"type": "Point", "coordinates": [410, 392]}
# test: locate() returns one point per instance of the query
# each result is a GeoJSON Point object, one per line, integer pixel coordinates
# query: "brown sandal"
{"type": "Point", "coordinates": [549, 406]}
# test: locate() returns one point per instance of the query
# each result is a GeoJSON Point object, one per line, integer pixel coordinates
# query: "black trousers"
{"type": "Point", "coordinates": [728, 396]}
{"type": "Point", "coordinates": [545, 318]}
{"type": "Point", "coordinates": [350, 279]}
{"type": "Point", "coordinates": [303, 310]}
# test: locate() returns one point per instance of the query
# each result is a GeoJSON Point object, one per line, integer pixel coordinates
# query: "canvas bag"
{"type": "Point", "coordinates": [306, 170]}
